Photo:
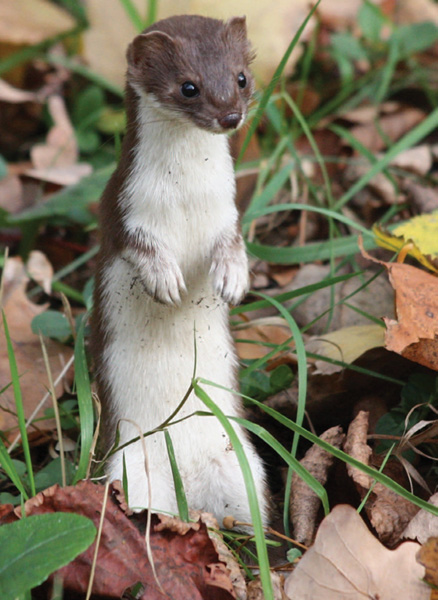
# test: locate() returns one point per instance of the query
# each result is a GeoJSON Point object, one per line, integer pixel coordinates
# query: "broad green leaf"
{"type": "Point", "coordinates": [52, 324]}
{"type": "Point", "coordinates": [33, 548]}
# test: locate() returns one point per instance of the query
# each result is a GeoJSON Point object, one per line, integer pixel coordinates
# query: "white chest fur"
{"type": "Point", "coordinates": [181, 192]}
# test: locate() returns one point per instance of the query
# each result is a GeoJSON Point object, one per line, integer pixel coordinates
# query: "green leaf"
{"type": "Point", "coordinates": [32, 548]}
{"type": "Point", "coordinates": [52, 324]}
{"type": "Point", "coordinates": [89, 102]}
{"type": "Point", "coordinates": [88, 140]}
{"type": "Point", "coordinates": [348, 46]}
{"type": "Point", "coordinates": [3, 167]}
{"type": "Point", "coordinates": [416, 37]}
{"type": "Point", "coordinates": [72, 202]}
{"type": "Point", "coordinates": [281, 378]}
{"type": "Point", "coordinates": [371, 21]}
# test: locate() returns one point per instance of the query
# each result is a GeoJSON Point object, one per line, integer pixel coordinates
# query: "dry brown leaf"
{"type": "Point", "coordinates": [414, 334]}
{"type": "Point", "coordinates": [423, 199]}
{"type": "Point", "coordinates": [348, 563]}
{"type": "Point", "coordinates": [255, 589]}
{"type": "Point", "coordinates": [9, 93]}
{"type": "Point", "coordinates": [376, 299]}
{"type": "Point", "coordinates": [416, 11]}
{"type": "Point", "coordinates": [304, 503]}
{"type": "Point", "coordinates": [274, 333]}
{"type": "Point", "coordinates": [428, 557]}
{"type": "Point", "coordinates": [56, 160]}
{"type": "Point", "coordinates": [235, 572]}
{"type": "Point", "coordinates": [417, 160]}
{"type": "Point", "coordinates": [424, 525]}
{"type": "Point", "coordinates": [27, 22]}
{"type": "Point", "coordinates": [11, 194]}
{"type": "Point", "coordinates": [392, 127]}
{"type": "Point", "coordinates": [388, 512]}
{"type": "Point", "coordinates": [187, 565]}
{"type": "Point", "coordinates": [19, 312]}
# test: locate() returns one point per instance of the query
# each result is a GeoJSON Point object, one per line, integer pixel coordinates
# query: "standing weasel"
{"type": "Point", "coordinates": [172, 258]}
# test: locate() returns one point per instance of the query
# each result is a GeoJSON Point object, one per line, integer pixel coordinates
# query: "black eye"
{"type": "Point", "coordinates": [189, 89]}
{"type": "Point", "coordinates": [241, 80]}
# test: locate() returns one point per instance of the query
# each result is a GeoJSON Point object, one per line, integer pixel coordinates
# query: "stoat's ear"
{"type": "Point", "coordinates": [145, 45]}
{"type": "Point", "coordinates": [236, 35]}
{"type": "Point", "coordinates": [236, 27]}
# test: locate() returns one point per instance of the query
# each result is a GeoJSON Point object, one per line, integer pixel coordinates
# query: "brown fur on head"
{"type": "Point", "coordinates": [208, 53]}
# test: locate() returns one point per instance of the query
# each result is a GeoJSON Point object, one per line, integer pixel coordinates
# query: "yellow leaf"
{"type": "Point", "coordinates": [409, 238]}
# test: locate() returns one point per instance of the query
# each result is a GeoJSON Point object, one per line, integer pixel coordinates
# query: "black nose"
{"type": "Point", "coordinates": [230, 121]}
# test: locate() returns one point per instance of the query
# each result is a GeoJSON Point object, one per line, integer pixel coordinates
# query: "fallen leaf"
{"type": "Point", "coordinates": [304, 503]}
{"type": "Point", "coordinates": [255, 589]}
{"type": "Point", "coordinates": [19, 312]}
{"type": "Point", "coordinates": [393, 242]}
{"type": "Point", "coordinates": [11, 194]}
{"type": "Point", "coordinates": [346, 345]}
{"type": "Point", "coordinates": [376, 299]}
{"type": "Point", "coordinates": [348, 562]}
{"type": "Point", "coordinates": [423, 525]}
{"type": "Point", "coordinates": [422, 198]}
{"type": "Point", "coordinates": [391, 128]}
{"type": "Point", "coordinates": [186, 563]}
{"type": "Point", "coordinates": [389, 513]}
{"type": "Point", "coordinates": [422, 230]}
{"type": "Point", "coordinates": [271, 330]}
{"type": "Point", "coordinates": [56, 160]}
{"type": "Point", "coordinates": [9, 93]}
{"type": "Point", "coordinates": [414, 332]}
{"type": "Point", "coordinates": [27, 22]}
{"type": "Point", "coordinates": [428, 557]}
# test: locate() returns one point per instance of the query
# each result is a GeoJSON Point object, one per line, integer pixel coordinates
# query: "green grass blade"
{"type": "Point", "coordinates": [265, 574]}
{"type": "Point", "coordinates": [407, 141]}
{"type": "Point", "coordinates": [133, 14]}
{"type": "Point", "coordinates": [307, 289]}
{"type": "Point", "coordinates": [33, 548]}
{"type": "Point", "coordinates": [9, 468]}
{"type": "Point", "coordinates": [125, 480]}
{"type": "Point", "coordinates": [19, 406]}
{"type": "Point", "coordinates": [152, 12]}
{"type": "Point", "coordinates": [85, 403]}
{"type": "Point", "coordinates": [272, 84]}
{"type": "Point", "coordinates": [343, 246]}
{"type": "Point", "coordinates": [290, 460]}
{"type": "Point", "coordinates": [181, 500]}
{"type": "Point", "coordinates": [302, 392]}
{"type": "Point", "coordinates": [251, 215]}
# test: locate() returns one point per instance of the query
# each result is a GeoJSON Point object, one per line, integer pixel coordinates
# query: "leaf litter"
{"type": "Point", "coordinates": [345, 334]}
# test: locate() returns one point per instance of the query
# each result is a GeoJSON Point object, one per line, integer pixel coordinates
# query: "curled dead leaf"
{"type": "Point", "coordinates": [389, 513]}
{"type": "Point", "coordinates": [304, 503]}
{"type": "Point", "coordinates": [347, 561]}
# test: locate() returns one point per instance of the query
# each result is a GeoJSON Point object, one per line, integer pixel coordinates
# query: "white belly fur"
{"type": "Point", "coordinates": [148, 360]}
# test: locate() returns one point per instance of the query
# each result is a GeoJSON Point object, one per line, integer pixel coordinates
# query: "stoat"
{"type": "Point", "coordinates": [171, 260]}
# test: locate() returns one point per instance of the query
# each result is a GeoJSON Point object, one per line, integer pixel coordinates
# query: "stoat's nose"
{"type": "Point", "coordinates": [230, 121]}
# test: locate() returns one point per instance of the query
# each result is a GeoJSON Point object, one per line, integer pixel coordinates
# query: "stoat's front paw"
{"type": "Point", "coordinates": [164, 282]}
{"type": "Point", "coordinates": [231, 278]}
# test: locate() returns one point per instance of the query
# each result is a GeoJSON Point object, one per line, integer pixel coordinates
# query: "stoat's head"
{"type": "Point", "coordinates": [196, 68]}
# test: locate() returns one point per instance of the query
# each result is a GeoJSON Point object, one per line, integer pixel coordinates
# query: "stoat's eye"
{"type": "Point", "coordinates": [241, 80]}
{"type": "Point", "coordinates": [189, 89]}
